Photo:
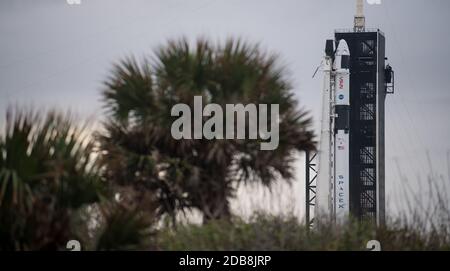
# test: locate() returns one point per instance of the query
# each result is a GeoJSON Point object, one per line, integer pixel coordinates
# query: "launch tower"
{"type": "Point", "coordinates": [369, 83]}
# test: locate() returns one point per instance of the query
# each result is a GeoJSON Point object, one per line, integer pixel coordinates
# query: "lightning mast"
{"type": "Point", "coordinates": [360, 19]}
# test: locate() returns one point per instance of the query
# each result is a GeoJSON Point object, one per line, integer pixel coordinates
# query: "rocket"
{"type": "Point", "coordinates": [341, 68]}
{"type": "Point", "coordinates": [334, 156]}
{"type": "Point", "coordinates": [325, 180]}
{"type": "Point", "coordinates": [350, 173]}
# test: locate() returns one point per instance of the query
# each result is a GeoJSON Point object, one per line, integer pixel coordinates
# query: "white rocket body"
{"type": "Point", "coordinates": [325, 154]}
{"type": "Point", "coordinates": [342, 126]}
{"type": "Point", "coordinates": [333, 197]}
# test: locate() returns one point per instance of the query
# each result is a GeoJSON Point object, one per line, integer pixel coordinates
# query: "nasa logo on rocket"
{"type": "Point", "coordinates": [341, 82]}
{"type": "Point", "coordinates": [340, 142]}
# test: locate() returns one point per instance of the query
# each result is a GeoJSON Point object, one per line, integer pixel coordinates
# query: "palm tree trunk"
{"type": "Point", "coordinates": [215, 205]}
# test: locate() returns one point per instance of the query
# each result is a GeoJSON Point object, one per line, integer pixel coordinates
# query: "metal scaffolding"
{"type": "Point", "coordinates": [311, 185]}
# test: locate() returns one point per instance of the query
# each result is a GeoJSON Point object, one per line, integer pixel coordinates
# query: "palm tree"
{"type": "Point", "coordinates": [51, 189]}
{"type": "Point", "coordinates": [140, 152]}
{"type": "Point", "coordinates": [46, 173]}
{"type": "Point", "coordinates": [124, 229]}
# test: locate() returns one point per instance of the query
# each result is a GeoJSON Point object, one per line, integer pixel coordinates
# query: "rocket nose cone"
{"type": "Point", "coordinates": [342, 49]}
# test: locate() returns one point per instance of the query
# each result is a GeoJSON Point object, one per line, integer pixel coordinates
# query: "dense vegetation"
{"type": "Point", "coordinates": [268, 232]}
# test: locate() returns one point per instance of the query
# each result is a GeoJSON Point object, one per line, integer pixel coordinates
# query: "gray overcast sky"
{"type": "Point", "coordinates": [56, 55]}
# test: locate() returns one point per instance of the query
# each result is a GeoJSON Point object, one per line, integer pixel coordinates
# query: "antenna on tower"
{"type": "Point", "coordinates": [360, 20]}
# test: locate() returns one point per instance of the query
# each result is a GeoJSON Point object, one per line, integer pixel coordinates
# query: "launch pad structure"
{"type": "Point", "coordinates": [370, 81]}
